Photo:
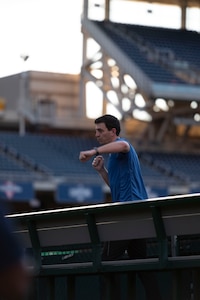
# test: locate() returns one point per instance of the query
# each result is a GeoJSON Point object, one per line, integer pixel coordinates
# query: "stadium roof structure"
{"type": "Point", "coordinates": [159, 72]}
{"type": "Point", "coordinates": [181, 3]}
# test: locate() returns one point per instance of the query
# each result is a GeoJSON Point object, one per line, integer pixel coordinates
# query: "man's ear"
{"type": "Point", "coordinates": [113, 130]}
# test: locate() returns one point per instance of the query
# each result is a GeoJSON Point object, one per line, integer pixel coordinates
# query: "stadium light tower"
{"type": "Point", "coordinates": [22, 95]}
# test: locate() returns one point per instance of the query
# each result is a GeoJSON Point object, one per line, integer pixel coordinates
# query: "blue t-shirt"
{"type": "Point", "coordinates": [125, 177]}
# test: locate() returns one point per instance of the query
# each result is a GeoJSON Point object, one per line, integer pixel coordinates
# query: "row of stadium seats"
{"type": "Point", "coordinates": [9, 165]}
{"type": "Point", "coordinates": [134, 39]}
{"type": "Point", "coordinates": [186, 164]}
{"type": "Point", "coordinates": [175, 39]}
{"type": "Point", "coordinates": [55, 155]}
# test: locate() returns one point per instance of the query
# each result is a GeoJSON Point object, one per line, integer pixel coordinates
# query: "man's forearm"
{"type": "Point", "coordinates": [113, 147]}
{"type": "Point", "coordinates": [104, 175]}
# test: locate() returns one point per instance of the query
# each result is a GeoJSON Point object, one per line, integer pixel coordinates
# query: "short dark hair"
{"type": "Point", "coordinates": [110, 122]}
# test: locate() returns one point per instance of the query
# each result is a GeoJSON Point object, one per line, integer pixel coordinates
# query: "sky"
{"type": "Point", "coordinates": [49, 31]}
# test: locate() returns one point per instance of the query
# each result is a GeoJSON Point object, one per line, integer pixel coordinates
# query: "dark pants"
{"type": "Point", "coordinates": [133, 249]}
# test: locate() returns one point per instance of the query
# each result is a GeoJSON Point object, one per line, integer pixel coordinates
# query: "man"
{"type": "Point", "coordinates": [15, 278]}
{"type": "Point", "coordinates": [124, 178]}
{"type": "Point", "coordinates": [123, 175]}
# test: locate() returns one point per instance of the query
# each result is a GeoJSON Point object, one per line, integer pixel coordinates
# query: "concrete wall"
{"type": "Point", "coordinates": [44, 98]}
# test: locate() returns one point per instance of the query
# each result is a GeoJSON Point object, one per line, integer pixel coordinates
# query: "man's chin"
{"type": "Point", "coordinates": [100, 142]}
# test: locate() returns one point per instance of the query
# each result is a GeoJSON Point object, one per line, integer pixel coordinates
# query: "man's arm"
{"type": "Point", "coordinates": [98, 164]}
{"type": "Point", "coordinates": [113, 147]}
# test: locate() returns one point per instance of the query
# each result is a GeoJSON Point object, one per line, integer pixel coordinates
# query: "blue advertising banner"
{"type": "Point", "coordinates": [16, 191]}
{"type": "Point", "coordinates": [80, 193]}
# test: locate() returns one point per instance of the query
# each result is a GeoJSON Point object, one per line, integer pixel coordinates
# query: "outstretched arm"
{"type": "Point", "coordinates": [113, 147]}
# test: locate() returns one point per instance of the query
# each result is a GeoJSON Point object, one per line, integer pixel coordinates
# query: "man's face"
{"type": "Point", "coordinates": [103, 135]}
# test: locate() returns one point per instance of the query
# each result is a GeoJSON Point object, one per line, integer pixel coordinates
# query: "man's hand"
{"type": "Point", "coordinates": [86, 155]}
{"type": "Point", "coordinates": [98, 163]}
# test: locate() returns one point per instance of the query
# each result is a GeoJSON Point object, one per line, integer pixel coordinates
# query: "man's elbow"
{"type": "Point", "coordinates": [126, 147]}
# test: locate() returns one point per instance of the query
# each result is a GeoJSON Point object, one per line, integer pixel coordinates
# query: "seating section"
{"type": "Point", "coordinates": [141, 43]}
{"type": "Point", "coordinates": [152, 175]}
{"type": "Point", "coordinates": [187, 165]}
{"type": "Point", "coordinates": [183, 43]}
{"type": "Point", "coordinates": [11, 167]}
{"type": "Point", "coordinates": [58, 155]}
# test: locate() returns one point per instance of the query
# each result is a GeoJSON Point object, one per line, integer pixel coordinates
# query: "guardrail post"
{"type": "Point", "coordinates": [51, 287]}
{"type": "Point", "coordinates": [161, 235]}
{"type": "Point", "coordinates": [176, 285]}
{"type": "Point", "coordinates": [71, 287]}
{"type": "Point", "coordinates": [35, 244]}
{"type": "Point", "coordinates": [131, 284]}
{"type": "Point", "coordinates": [196, 285]}
{"type": "Point", "coordinates": [95, 241]}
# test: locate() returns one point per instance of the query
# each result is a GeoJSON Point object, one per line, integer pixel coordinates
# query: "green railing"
{"type": "Point", "coordinates": [76, 235]}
